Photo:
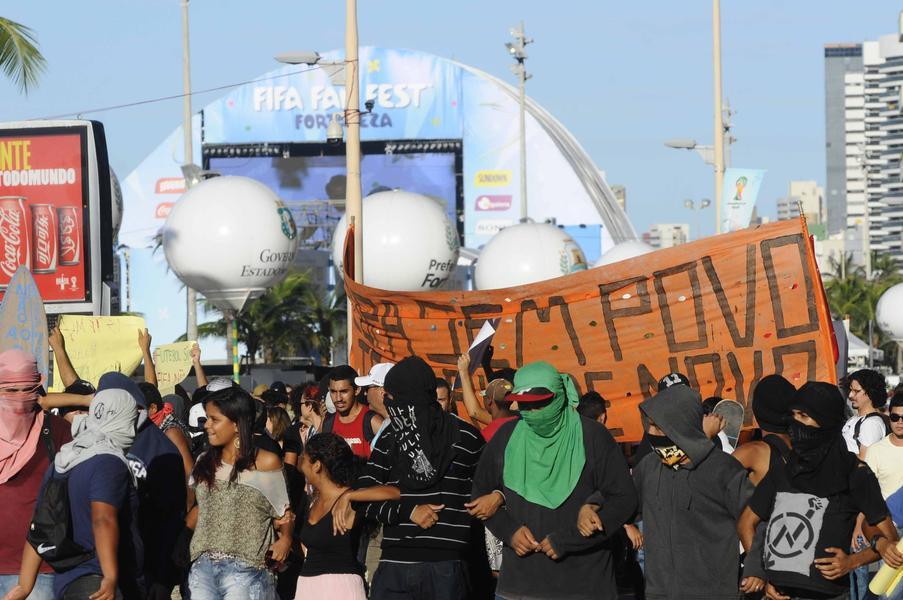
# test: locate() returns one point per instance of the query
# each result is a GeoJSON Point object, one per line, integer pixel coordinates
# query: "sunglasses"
{"type": "Point", "coordinates": [894, 417]}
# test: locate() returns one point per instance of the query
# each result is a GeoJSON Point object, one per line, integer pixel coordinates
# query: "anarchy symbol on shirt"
{"type": "Point", "coordinates": [794, 535]}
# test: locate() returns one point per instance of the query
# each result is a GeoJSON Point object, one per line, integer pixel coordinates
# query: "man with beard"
{"type": "Point", "coordinates": [546, 465]}
{"type": "Point", "coordinates": [811, 506]}
{"type": "Point", "coordinates": [690, 498]}
{"type": "Point", "coordinates": [351, 420]}
{"type": "Point", "coordinates": [430, 456]}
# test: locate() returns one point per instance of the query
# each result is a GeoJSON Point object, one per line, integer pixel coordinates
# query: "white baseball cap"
{"type": "Point", "coordinates": [376, 376]}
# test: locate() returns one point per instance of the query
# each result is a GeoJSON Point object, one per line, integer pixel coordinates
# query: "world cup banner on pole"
{"type": "Point", "coordinates": [738, 197]}
{"type": "Point", "coordinates": [726, 311]}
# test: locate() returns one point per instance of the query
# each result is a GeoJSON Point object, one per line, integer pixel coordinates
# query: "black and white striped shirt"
{"type": "Point", "coordinates": [405, 541]}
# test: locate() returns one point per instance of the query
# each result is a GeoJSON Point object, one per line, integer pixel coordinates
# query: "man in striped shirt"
{"type": "Point", "coordinates": [431, 457]}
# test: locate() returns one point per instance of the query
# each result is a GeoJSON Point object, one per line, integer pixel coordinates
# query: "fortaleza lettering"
{"type": "Point", "coordinates": [726, 312]}
{"type": "Point", "coordinates": [384, 95]}
{"type": "Point", "coordinates": [321, 121]}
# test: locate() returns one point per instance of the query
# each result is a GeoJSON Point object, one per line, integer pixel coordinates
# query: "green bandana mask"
{"type": "Point", "coordinates": [545, 455]}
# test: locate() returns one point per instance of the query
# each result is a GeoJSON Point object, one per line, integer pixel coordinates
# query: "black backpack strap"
{"type": "Point", "coordinates": [47, 436]}
{"type": "Point", "coordinates": [859, 423]}
{"type": "Point", "coordinates": [328, 423]}
{"type": "Point", "coordinates": [369, 431]}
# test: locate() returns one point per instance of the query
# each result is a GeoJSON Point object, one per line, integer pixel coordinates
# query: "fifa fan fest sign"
{"type": "Point", "coordinates": [726, 311]}
{"type": "Point", "coordinates": [50, 210]}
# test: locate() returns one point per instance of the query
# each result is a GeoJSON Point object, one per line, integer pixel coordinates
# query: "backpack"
{"type": "Point", "coordinates": [50, 531]}
{"type": "Point", "coordinates": [859, 423]}
{"type": "Point", "coordinates": [369, 432]}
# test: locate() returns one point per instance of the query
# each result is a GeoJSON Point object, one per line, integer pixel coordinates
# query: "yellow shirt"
{"type": "Point", "coordinates": [886, 460]}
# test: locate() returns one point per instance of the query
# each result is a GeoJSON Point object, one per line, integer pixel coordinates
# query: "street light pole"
{"type": "Point", "coordinates": [719, 123]}
{"type": "Point", "coordinates": [353, 194]}
{"type": "Point", "coordinates": [191, 297]}
{"type": "Point", "coordinates": [518, 52]}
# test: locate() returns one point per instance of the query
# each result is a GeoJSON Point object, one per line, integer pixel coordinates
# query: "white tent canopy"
{"type": "Point", "coordinates": [859, 349]}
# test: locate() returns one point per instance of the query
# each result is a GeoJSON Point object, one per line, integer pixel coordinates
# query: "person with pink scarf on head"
{"type": "Point", "coordinates": [27, 437]}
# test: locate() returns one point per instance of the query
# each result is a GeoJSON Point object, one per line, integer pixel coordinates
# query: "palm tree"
{"type": "Point", "coordinates": [292, 318]}
{"type": "Point", "coordinates": [20, 59]}
{"type": "Point", "coordinates": [325, 322]}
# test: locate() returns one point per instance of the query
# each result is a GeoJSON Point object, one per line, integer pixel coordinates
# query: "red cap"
{"type": "Point", "coordinates": [524, 396]}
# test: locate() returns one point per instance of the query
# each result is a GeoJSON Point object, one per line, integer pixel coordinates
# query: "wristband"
{"type": "Point", "coordinates": [873, 543]}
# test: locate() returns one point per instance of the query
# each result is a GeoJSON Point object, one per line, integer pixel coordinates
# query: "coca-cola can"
{"type": "Point", "coordinates": [14, 234]}
{"type": "Point", "coordinates": [43, 239]}
{"type": "Point", "coordinates": [70, 236]}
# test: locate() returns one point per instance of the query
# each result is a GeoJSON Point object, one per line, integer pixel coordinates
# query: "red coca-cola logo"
{"type": "Point", "coordinates": [11, 236]}
{"type": "Point", "coordinates": [68, 240]}
{"type": "Point", "coordinates": [43, 244]}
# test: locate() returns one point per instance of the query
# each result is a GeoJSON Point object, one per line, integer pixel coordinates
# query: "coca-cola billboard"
{"type": "Point", "coordinates": [43, 200]}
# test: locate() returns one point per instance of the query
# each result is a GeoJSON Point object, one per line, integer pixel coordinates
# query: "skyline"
{"type": "Point", "coordinates": [773, 76]}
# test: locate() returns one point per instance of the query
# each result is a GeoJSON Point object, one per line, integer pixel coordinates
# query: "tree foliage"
{"type": "Point", "coordinates": [292, 319]}
{"type": "Point", "coordinates": [20, 59]}
{"type": "Point", "coordinates": [852, 293]}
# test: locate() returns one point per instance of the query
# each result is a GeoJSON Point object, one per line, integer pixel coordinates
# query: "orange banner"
{"type": "Point", "coordinates": [725, 311]}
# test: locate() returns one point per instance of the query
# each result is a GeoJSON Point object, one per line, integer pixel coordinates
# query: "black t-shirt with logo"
{"type": "Point", "coordinates": [802, 526]}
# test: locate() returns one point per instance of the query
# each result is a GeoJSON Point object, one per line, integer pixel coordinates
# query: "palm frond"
{"type": "Point", "coordinates": [20, 59]}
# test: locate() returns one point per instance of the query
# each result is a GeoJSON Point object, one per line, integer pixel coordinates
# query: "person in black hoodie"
{"type": "Point", "coordinates": [811, 505]}
{"type": "Point", "coordinates": [550, 466]}
{"type": "Point", "coordinates": [690, 498]}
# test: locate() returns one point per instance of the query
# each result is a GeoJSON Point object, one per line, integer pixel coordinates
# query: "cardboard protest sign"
{"type": "Point", "coordinates": [172, 362]}
{"type": "Point", "coordinates": [725, 311]}
{"type": "Point", "coordinates": [23, 324]}
{"type": "Point", "coordinates": [97, 345]}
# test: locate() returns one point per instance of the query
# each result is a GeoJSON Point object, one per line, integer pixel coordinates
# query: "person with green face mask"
{"type": "Point", "coordinates": [546, 465]}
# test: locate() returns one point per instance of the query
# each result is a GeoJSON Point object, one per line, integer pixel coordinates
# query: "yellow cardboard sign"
{"type": "Point", "coordinates": [97, 345]}
{"type": "Point", "coordinates": [172, 363]}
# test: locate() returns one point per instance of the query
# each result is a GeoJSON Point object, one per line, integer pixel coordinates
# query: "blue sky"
{"type": "Point", "coordinates": [622, 76]}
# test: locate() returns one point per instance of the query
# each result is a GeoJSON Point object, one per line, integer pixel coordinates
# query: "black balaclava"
{"type": "Point", "coordinates": [820, 463]}
{"type": "Point", "coordinates": [771, 403]}
{"type": "Point", "coordinates": [424, 434]}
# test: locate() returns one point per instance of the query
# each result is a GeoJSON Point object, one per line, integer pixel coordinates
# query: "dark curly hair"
{"type": "Point", "coordinates": [239, 407]}
{"type": "Point", "coordinates": [873, 383]}
{"type": "Point", "coordinates": [335, 455]}
{"type": "Point", "coordinates": [151, 395]}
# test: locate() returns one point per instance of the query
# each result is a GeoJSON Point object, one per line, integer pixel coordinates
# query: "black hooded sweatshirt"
{"type": "Point", "coordinates": [690, 513]}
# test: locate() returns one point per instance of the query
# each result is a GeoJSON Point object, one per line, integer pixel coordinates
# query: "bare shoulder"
{"type": "Point", "coordinates": [750, 452]}
{"type": "Point", "coordinates": [267, 461]}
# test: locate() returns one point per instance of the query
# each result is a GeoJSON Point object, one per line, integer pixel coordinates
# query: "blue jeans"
{"type": "Point", "coordinates": [43, 587]}
{"type": "Point", "coordinates": [443, 580]}
{"type": "Point", "coordinates": [229, 579]}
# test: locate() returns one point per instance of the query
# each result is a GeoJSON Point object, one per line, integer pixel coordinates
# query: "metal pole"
{"type": "Point", "coordinates": [719, 125]}
{"type": "Point", "coordinates": [523, 128]}
{"type": "Point", "coordinates": [191, 297]}
{"type": "Point", "coordinates": [236, 358]}
{"type": "Point", "coordinates": [354, 203]}
{"type": "Point", "coordinates": [353, 200]}
{"type": "Point", "coordinates": [871, 351]}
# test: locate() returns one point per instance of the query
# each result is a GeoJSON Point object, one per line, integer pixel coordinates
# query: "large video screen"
{"type": "Point", "coordinates": [311, 185]}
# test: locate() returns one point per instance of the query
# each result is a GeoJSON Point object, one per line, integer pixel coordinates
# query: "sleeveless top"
{"type": "Point", "coordinates": [779, 451]}
{"type": "Point", "coordinates": [329, 554]}
{"type": "Point", "coordinates": [353, 433]}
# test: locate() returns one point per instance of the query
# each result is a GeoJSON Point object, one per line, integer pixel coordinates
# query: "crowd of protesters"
{"type": "Point", "coordinates": [396, 485]}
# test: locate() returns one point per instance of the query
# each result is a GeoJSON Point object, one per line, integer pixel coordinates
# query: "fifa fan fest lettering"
{"type": "Point", "coordinates": [725, 311]}
{"type": "Point", "coordinates": [324, 98]}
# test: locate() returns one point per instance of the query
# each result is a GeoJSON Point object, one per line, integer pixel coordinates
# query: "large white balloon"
{"type": "Point", "coordinates": [230, 238]}
{"type": "Point", "coordinates": [623, 251]}
{"type": "Point", "coordinates": [889, 312]}
{"type": "Point", "coordinates": [526, 253]}
{"type": "Point", "coordinates": [409, 243]}
{"type": "Point", "coordinates": [116, 203]}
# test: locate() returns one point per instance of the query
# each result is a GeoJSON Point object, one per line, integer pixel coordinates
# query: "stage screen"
{"type": "Point", "coordinates": [307, 183]}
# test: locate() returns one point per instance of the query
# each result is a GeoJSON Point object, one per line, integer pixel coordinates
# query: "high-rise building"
{"type": "Point", "coordinates": [883, 65]}
{"type": "Point", "coordinates": [667, 235]}
{"type": "Point", "coordinates": [840, 59]}
{"type": "Point", "coordinates": [806, 195]}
